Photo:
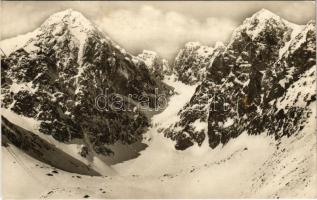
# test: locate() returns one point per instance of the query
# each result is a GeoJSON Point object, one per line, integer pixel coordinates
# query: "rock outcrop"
{"type": "Point", "coordinates": [79, 84]}
{"type": "Point", "coordinates": [158, 66]}
{"type": "Point", "coordinates": [193, 61]}
{"type": "Point", "coordinates": [245, 85]}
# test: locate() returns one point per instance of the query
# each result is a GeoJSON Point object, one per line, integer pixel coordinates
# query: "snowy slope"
{"type": "Point", "coordinates": [12, 44]}
{"type": "Point", "coordinates": [71, 149]}
{"type": "Point", "coordinates": [291, 170]}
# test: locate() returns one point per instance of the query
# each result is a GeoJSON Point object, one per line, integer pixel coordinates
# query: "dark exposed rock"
{"type": "Point", "coordinates": [266, 59]}
{"type": "Point", "coordinates": [58, 74]}
{"type": "Point", "coordinates": [183, 143]}
{"type": "Point", "coordinates": [158, 66]}
{"type": "Point", "coordinates": [192, 61]}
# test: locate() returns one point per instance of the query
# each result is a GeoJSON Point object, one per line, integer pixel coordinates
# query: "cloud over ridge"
{"type": "Point", "coordinates": [163, 32]}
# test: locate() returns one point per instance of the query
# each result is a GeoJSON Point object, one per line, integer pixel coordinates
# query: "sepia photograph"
{"type": "Point", "coordinates": [158, 99]}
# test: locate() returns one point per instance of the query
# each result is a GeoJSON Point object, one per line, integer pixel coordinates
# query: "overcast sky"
{"type": "Point", "coordinates": [159, 26]}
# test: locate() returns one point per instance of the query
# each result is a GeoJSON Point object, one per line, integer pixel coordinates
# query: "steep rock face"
{"type": "Point", "coordinates": [193, 60]}
{"type": "Point", "coordinates": [58, 74]}
{"type": "Point", "coordinates": [265, 55]}
{"type": "Point", "coordinates": [192, 124]}
{"type": "Point", "coordinates": [191, 66]}
{"type": "Point", "coordinates": [252, 99]}
{"type": "Point", "coordinates": [156, 65]}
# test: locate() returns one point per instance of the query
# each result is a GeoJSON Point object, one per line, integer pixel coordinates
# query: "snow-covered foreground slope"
{"type": "Point", "coordinates": [247, 166]}
{"type": "Point", "coordinates": [71, 149]}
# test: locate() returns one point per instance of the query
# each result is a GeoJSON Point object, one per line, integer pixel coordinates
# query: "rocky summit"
{"type": "Point", "coordinates": [192, 61]}
{"type": "Point", "coordinates": [56, 76]}
{"type": "Point", "coordinates": [158, 66]}
{"type": "Point", "coordinates": [264, 65]}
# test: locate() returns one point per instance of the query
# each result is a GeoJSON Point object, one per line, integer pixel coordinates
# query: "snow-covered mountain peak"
{"type": "Point", "coordinates": [148, 57]}
{"type": "Point", "coordinates": [192, 45]}
{"type": "Point", "coordinates": [311, 24]}
{"type": "Point", "coordinates": [65, 65]}
{"type": "Point", "coordinates": [265, 14]}
{"type": "Point", "coordinates": [260, 19]}
{"type": "Point", "coordinates": [157, 65]}
{"type": "Point", "coordinates": [71, 18]}
{"type": "Point", "coordinates": [70, 23]}
{"type": "Point", "coordinates": [193, 59]}
{"type": "Point", "coordinates": [58, 29]}
{"type": "Point", "coordinates": [198, 48]}
{"type": "Point", "coordinates": [148, 53]}
{"type": "Point", "coordinates": [262, 23]}
{"type": "Point", "coordinates": [219, 45]}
